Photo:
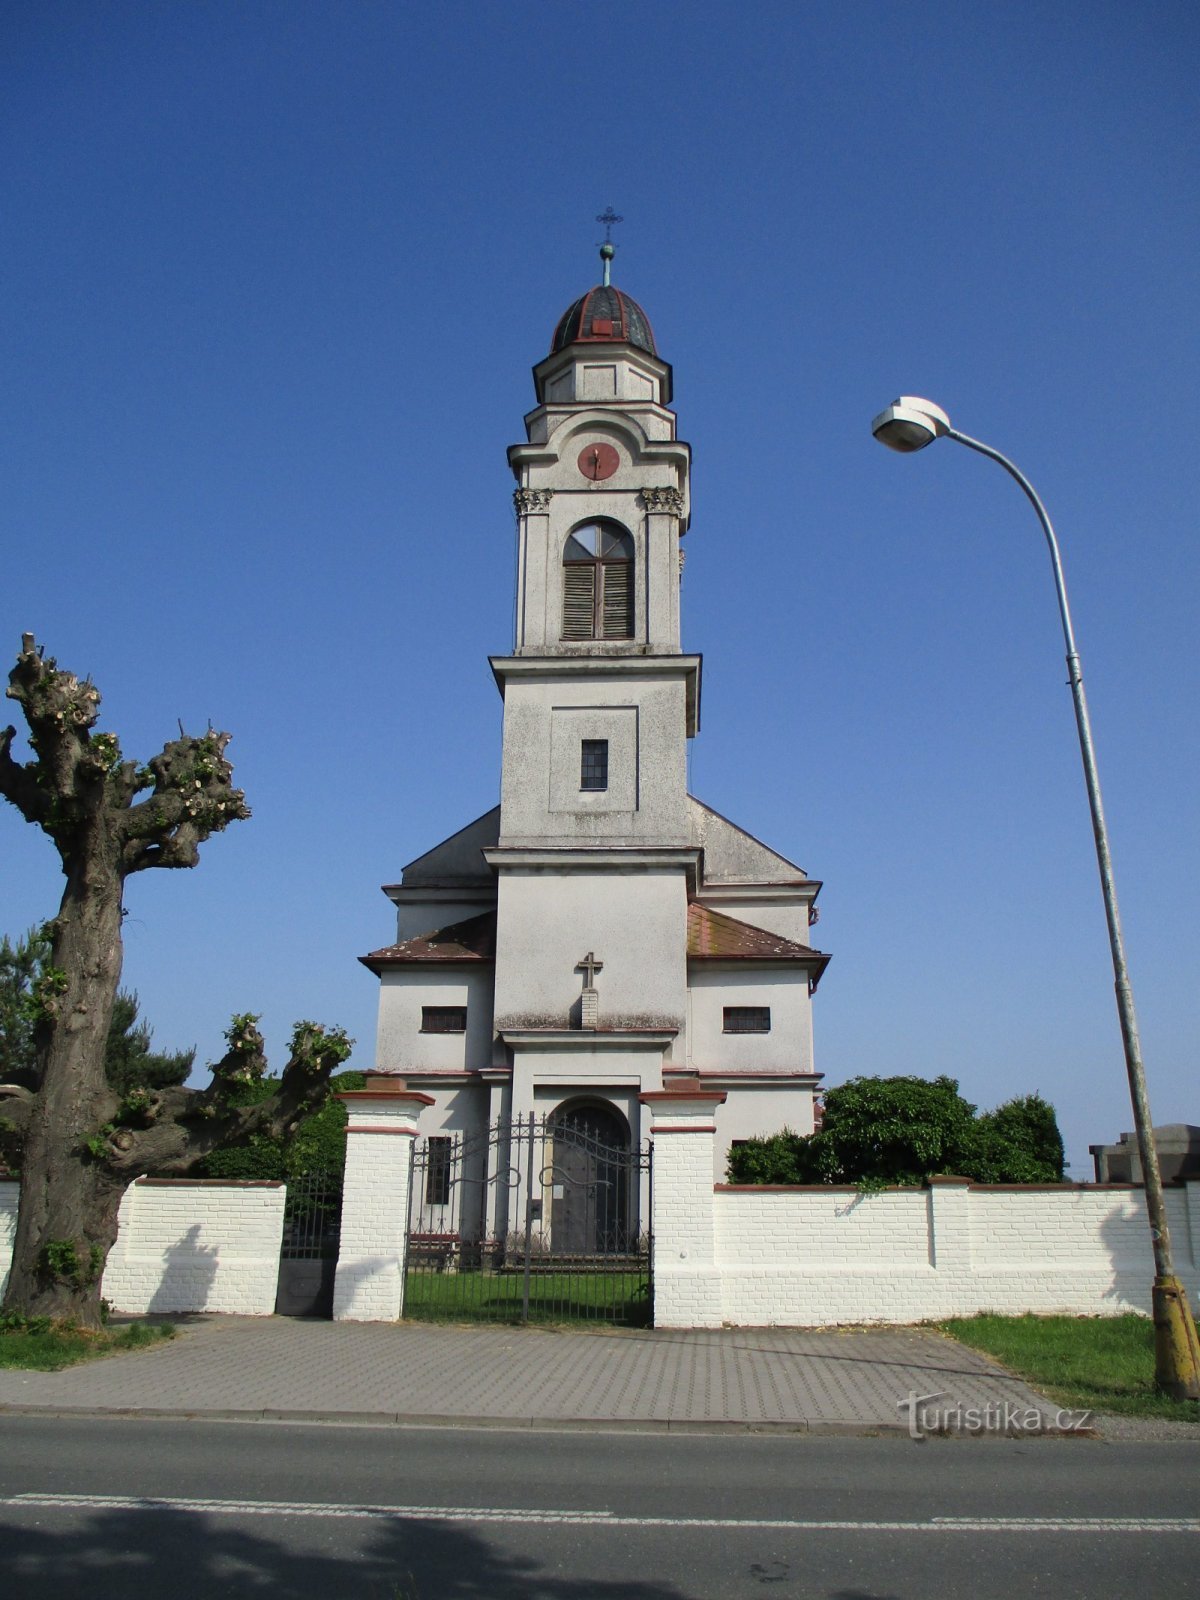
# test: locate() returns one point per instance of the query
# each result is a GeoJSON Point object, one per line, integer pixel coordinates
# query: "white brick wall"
{"type": "Point", "coordinates": [185, 1246]}
{"type": "Point", "coordinates": [10, 1193]}
{"type": "Point", "coordinates": [369, 1286]}
{"type": "Point", "coordinates": [802, 1257]}
{"type": "Point", "coordinates": [810, 1256]}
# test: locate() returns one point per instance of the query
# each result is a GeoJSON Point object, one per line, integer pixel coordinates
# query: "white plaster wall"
{"type": "Point", "coordinates": [712, 986]}
{"type": "Point", "coordinates": [419, 916]}
{"type": "Point", "coordinates": [401, 1046]}
{"type": "Point", "coordinates": [788, 919]}
{"type": "Point", "coordinates": [634, 919]}
{"type": "Point", "coordinates": [536, 709]}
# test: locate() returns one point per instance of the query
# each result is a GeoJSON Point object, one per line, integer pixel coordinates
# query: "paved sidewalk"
{"type": "Point", "coordinates": [750, 1378]}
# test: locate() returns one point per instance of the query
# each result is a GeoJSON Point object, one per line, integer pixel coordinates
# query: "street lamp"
{"type": "Point", "coordinates": [910, 424]}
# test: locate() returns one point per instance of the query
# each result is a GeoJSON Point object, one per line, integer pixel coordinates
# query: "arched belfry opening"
{"type": "Point", "coordinates": [598, 572]}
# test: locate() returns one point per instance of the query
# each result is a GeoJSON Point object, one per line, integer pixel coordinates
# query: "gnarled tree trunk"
{"type": "Point", "coordinates": [67, 1220]}
{"type": "Point", "coordinates": [84, 1141]}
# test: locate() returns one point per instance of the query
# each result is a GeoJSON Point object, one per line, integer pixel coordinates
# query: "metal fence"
{"type": "Point", "coordinates": [312, 1216]}
{"type": "Point", "coordinates": [538, 1219]}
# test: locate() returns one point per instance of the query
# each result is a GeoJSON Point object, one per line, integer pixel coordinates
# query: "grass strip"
{"type": "Point", "coordinates": [1085, 1363]}
{"type": "Point", "coordinates": [44, 1346]}
{"type": "Point", "coordinates": [558, 1297]}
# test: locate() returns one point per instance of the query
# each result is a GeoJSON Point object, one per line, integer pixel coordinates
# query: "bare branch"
{"type": "Point", "coordinates": [183, 1126]}
{"type": "Point", "coordinates": [193, 798]}
{"type": "Point", "coordinates": [18, 783]}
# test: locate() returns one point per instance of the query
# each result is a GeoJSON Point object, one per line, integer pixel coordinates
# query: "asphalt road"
{"type": "Point", "coordinates": [101, 1508]}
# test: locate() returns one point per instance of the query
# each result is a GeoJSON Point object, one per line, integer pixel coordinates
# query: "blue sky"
{"type": "Point", "coordinates": [275, 275]}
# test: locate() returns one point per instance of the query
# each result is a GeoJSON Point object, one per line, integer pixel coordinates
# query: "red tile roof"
{"type": "Point", "coordinates": [713, 936]}
{"type": "Point", "coordinates": [472, 940]}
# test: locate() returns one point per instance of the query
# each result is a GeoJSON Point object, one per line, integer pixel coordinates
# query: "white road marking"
{"type": "Point", "coordinates": [604, 1519]}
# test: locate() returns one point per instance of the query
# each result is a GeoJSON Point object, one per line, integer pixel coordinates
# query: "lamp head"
{"type": "Point", "coordinates": [910, 423]}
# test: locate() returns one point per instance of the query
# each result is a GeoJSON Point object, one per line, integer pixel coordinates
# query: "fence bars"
{"type": "Point", "coordinates": [538, 1219]}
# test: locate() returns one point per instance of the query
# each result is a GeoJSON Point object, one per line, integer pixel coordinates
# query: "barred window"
{"type": "Point", "coordinates": [747, 1019]}
{"type": "Point", "coordinates": [593, 766]}
{"type": "Point", "coordinates": [443, 1019]}
{"type": "Point", "coordinates": [437, 1172]}
{"type": "Point", "coordinates": [598, 583]}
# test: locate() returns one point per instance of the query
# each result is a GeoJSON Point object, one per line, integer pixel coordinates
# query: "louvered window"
{"type": "Point", "coordinates": [598, 583]}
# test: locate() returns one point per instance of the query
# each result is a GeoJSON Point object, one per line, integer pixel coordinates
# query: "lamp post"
{"type": "Point", "coordinates": [911, 424]}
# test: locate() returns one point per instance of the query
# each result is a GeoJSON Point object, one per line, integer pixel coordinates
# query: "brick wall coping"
{"type": "Point", "coordinates": [680, 1094]}
{"type": "Point", "coordinates": [403, 1092]}
{"type": "Point", "coordinates": [937, 1180]}
{"type": "Point", "coordinates": [211, 1183]}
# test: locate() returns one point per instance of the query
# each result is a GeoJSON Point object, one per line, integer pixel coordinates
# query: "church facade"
{"type": "Point", "coordinates": [601, 933]}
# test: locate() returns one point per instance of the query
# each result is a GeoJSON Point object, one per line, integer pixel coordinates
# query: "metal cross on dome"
{"type": "Point", "coordinates": [589, 966]}
{"type": "Point", "coordinates": [608, 248]}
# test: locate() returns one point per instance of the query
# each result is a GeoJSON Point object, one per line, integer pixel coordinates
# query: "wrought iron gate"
{"type": "Point", "coordinates": [312, 1216]}
{"type": "Point", "coordinates": [538, 1219]}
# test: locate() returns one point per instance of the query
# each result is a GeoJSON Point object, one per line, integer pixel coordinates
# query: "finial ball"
{"type": "Point", "coordinates": [607, 251]}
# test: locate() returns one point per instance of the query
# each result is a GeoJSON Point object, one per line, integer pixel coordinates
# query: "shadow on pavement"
{"type": "Point", "coordinates": [110, 1555]}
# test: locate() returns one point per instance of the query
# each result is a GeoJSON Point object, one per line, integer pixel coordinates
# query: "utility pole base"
{"type": "Point", "coordinates": [1176, 1347]}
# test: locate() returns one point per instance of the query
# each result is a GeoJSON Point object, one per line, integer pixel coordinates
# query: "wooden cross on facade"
{"type": "Point", "coordinates": [589, 966]}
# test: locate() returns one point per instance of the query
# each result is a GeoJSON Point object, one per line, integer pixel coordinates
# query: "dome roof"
{"type": "Point", "coordinates": [601, 316]}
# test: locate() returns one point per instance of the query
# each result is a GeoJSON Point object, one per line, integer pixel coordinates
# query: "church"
{"type": "Point", "coordinates": [601, 933]}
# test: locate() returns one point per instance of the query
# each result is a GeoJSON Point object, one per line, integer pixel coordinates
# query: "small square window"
{"type": "Point", "coordinates": [443, 1019]}
{"type": "Point", "coordinates": [593, 770]}
{"type": "Point", "coordinates": [437, 1172]}
{"type": "Point", "coordinates": [747, 1019]}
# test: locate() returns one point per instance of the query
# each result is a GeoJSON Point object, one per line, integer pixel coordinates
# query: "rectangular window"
{"type": "Point", "coordinates": [437, 1172]}
{"type": "Point", "coordinates": [593, 769]}
{"type": "Point", "coordinates": [443, 1019]}
{"type": "Point", "coordinates": [747, 1019]}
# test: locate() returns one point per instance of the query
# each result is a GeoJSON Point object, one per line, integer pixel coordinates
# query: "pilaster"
{"type": "Point", "coordinates": [369, 1286]}
{"type": "Point", "coordinates": [687, 1283]}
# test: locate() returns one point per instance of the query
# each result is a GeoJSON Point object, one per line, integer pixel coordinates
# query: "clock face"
{"type": "Point", "coordinates": [598, 461]}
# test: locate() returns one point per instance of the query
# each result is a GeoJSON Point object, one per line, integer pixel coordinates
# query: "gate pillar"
{"type": "Point", "coordinates": [369, 1286]}
{"type": "Point", "coordinates": [687, 1284]}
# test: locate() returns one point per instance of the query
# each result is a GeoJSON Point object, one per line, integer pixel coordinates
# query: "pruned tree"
{"type": "Point", "coordinates": [83, 1138]}
{"type": "Point", "coordinates": [128, 1057]}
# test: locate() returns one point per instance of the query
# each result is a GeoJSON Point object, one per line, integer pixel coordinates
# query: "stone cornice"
{"type": "Point", "coordinates": [571, 1039]}
{"type": "Point", "coordinates": [682, 666]}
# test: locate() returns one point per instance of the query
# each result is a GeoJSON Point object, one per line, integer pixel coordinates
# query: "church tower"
{"type": "Point", "coordinates": [594, 852]}
{"type": "Point", "coordinates": [601, 933]}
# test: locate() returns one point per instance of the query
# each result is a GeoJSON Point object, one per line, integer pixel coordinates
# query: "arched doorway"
{"type": "Point", "coordinates": [591, 1179]}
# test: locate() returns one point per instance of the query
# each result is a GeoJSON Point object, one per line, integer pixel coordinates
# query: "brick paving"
{"type": "Point", "coordinates": [815, 1380]}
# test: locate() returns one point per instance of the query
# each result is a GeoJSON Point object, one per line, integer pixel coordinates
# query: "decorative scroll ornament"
{"type": "Point", "coordinates": [663, 500]}
{"type": "Point", "coordinates": [527, 500]}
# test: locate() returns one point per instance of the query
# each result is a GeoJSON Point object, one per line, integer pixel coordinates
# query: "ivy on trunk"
{"type": "Point", "coordinates": [83, 1139]}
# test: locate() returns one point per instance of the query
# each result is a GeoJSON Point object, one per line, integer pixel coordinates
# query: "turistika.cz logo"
{"type": "Point", "coordinates": [1008, 1417]}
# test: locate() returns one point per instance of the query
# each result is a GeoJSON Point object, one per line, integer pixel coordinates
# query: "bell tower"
{"type": "Point", "coordinates": [599, 698]}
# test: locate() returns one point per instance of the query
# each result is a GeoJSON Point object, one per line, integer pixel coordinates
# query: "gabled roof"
{"type": "Point", "coordinates": [456, 861]}
{"type": "Point", "coordinates": [712, 936]}
{"type": "Point", "coordinates": [731, 855]}
{"type": "Point", "coordinates": [472, 940]}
